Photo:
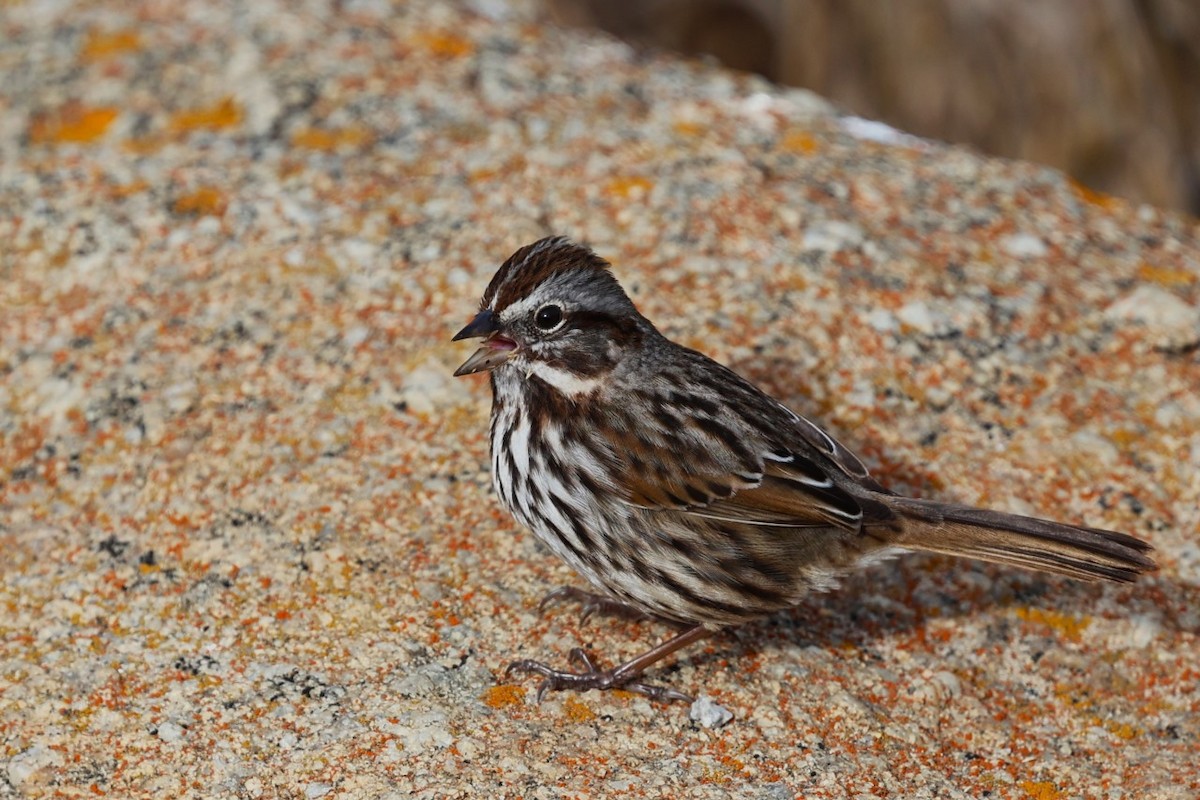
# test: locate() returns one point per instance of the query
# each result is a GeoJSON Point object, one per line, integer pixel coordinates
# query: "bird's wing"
{"type": "Point", "coordinates": [792, 494]}
{"type": "Point", "coordinates": [731, 452]}
{"type": "Point", "coordinates": [819, 440]}
{"type": "Point", "coordinates": [713, 474]}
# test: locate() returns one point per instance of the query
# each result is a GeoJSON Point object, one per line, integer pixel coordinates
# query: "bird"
{"type": "Point", "coordinates": [681, 491]}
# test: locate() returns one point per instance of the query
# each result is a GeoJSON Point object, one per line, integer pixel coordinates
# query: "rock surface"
{"type": "Point", "coordinates": [249, 543]}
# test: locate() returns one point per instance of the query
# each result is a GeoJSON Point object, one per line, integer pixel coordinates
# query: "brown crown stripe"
{"type": "Point", "coordinates": [531, 265]}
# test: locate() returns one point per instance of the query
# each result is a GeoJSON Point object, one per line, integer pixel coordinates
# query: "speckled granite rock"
{"type": "Point", "coordinates": [250, 547]}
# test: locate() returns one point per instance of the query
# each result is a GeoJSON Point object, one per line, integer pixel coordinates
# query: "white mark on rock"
{"type": "Point", "coordinates": [708, 713]}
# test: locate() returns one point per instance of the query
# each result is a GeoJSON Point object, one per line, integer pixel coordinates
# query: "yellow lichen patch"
{"type": "Point", "coordinates": [145, 145]}
{"type": "Point", "coordinates": [800, 142]}
{"type": "Point", "coordinates": [577, 710]}
{"type": "Point", "coordinates": [224, 114]}
{"type": "Point", "coordinates": [628, 186]}
{"type": "Point", "coordinates": [504, 696]}
{"type": "Point", "coordinates": [73, 122]}
{"type": "Point", "coordinates": [1069, 626]}
{"type": "Point", "coordinates": [322, 139]}
{"type": "Point", "coordinates": [205, 201]}
{"type": "Point", "coordinates": [723, 770]}
{"type": "Point", "coordinates": [1122, 730]}
{"type": "Point", "coordinates": [122, 190]}
{"type": "Point", "coordinates": [1041, 790]}
{"type": "Point", "coordinates": [1166, 276]}
{"type": "Point", "coordinates": [689, 128]}
{"type": "Point", "coordinates": [1124, 437]}
{"type": "Point", "coordinates": [446, 45]}
{"type": "Point", "coordinates": [100, 45]}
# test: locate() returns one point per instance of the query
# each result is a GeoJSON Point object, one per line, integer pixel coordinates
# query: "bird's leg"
{"type": "Point", "coordinates": [624, 676]}
{"type": "Point", "coordinates": [592, 603]}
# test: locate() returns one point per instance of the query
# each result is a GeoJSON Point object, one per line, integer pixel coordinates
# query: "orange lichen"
{"type": "Point", "coordinates": [800, 142]}
{"type": "Point", "coordinates": [1069, 626]}
{"type": "Point", "coordinates": [327, 140]}
{"type": "Point", "coordinates": [204, 201]}
{"type": "Point", "coordinates": [447, 45]}
{"type": "Point", "coordinates": [1041, 790]}
{"type": "Point", "coordinates": [1124, 437]}
{"type": "Point", "coordinates": [123, 190]}
{"type": "Point", "coordinates": [1166, 276]}
{"type": "Point", "coordinates": [224, 114]}
{"type": "Point", "coordinates": [504, 696]}
{"type": "Point", "coordinates": [101, 45]}
{"type": "Point", "coordinates": [73, 122]}
{"type": "Point", "coordinates": [689, 128]}
{"type": "Point", "coordinates": [628, 186]}
{"type": "Point", "coordinates": [578, 711]}
{"type": "Point", "coordinates": [1094, 197]}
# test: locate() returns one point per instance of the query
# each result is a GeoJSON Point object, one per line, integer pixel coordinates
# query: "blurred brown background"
{"type": "Point", "coordinates": [1107, 90]}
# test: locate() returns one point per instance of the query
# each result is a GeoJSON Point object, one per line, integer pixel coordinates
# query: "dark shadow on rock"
{"type": "Point", "coordinates": [882, 602]}
{"type": "Point", "coordinates": [898, 597]}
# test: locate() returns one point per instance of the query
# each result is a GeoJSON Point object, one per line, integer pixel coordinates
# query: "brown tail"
{"type": "Point", "coordinates": [1085, 553]}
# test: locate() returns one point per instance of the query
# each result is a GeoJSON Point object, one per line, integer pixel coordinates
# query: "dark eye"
{"type": "Point", "coordinates": [548, 317]}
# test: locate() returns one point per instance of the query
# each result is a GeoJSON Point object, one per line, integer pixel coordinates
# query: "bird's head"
{"type": "Point", "coordinates": [554, 310]}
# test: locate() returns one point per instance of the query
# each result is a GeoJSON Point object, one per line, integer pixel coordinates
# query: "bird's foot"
{"type": "Point", "coordinates": [592, 677]}
{"type": "Point", "coordinates": [592, 603]}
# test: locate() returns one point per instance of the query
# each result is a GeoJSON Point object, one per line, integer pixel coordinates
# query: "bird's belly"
{"type": "Point", "coordinates": [665, 562]}
{"type": "Point", "coordinates": [643, 558]}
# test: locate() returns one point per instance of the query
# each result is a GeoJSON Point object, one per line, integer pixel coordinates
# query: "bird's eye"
{"type": "Point", "coordinates": [548, 317]}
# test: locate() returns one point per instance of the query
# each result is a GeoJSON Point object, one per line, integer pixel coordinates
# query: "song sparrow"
{"type": "Point", "coordinates": [682, 491]}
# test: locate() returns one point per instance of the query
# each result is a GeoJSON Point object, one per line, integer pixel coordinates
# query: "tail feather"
{"type": "Point", "coordinates": [1074, 550]}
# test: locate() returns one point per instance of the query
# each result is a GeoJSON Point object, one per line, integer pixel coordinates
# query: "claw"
{"type": "Point", "coordinates": [590, 678]}
{"type": "Point", "coordinates": [591, 603]}
{"type": "Point", "coordinates": [579, 656]}
{"type": "Point", "coordinates": [663, 694]}
{"type": "Point", "coordinates": [562, 592]}
{"type": "Point", "coordinates": [623, 676]}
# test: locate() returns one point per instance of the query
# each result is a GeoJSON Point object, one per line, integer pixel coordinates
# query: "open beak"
{"type": "Point", "coordinates": [496, 349]}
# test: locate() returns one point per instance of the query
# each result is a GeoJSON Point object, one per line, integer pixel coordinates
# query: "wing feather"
{"type": "Point", "coordinates": [737, 455]}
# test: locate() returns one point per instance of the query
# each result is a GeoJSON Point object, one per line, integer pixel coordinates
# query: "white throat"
{"type": "Point", "coordinates": [566, 382]}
